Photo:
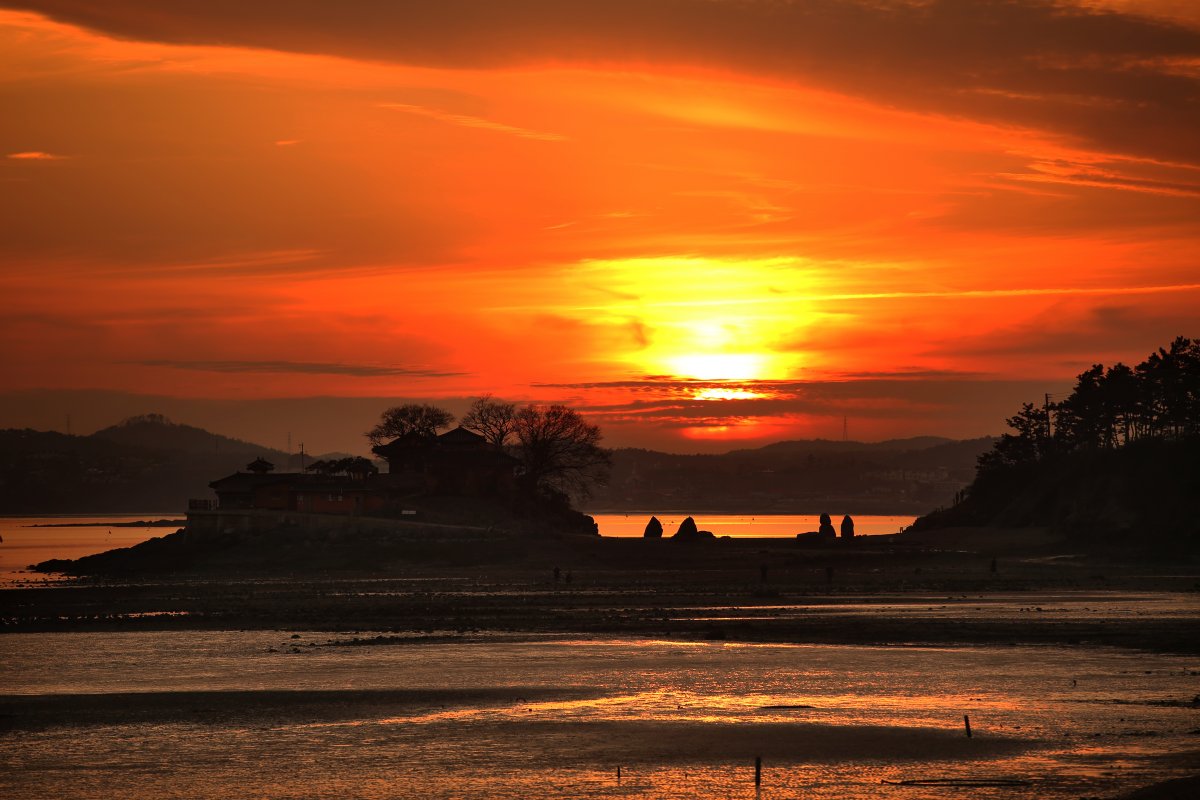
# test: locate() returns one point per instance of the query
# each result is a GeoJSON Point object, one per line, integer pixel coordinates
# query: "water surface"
{"type": "Point", "coordinates": [746, 525]}
{"type": "Point", "coordinates": [24, 544]}
{"type": "Point", "coordinates": [262, 714]}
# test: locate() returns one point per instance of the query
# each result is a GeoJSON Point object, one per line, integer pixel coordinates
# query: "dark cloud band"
{"type": "Point", "coordinates": [1110, 79]}
{"type": "Point", "coordinates": [301, 367]}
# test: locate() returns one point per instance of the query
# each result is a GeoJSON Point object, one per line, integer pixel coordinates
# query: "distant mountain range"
{"type": "Point", "coordinates": [899, 476]}
{"type": "Point", "coordinates": [150, 464]}
{"type": "Point", "coordinates": [144, 464]}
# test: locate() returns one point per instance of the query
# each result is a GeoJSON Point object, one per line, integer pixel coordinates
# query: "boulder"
{"type": "Point", "coordinates": [654, 529]}
{"type": "Point", "coordinates": [688, 532]}
{"type": "Point", "coordinates": [827, 531]}
{"type": "Point", "coordinates": [847, 527]}
{"type": "Point", "coordinates": [687, 529]}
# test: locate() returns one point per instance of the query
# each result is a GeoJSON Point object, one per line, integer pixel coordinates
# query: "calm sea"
{"type": "Point", "coordinates": [23, 544]}
{"type": "Point", "coordinates": [745, 525]}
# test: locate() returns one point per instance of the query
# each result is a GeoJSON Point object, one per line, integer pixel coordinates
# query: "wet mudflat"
{"type": "Point", "coordinates": [272, 714]}
{"type": "Point", "coordinates": [459, 677]}
{"type": "Point", "coordinates": [796, 606]}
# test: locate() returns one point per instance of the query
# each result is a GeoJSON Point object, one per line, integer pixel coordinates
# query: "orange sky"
{"type": "Point", "coordinates": [706, 223]}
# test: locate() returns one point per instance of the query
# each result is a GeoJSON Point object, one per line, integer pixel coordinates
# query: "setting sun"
{"type": "Point", "coordinates": [719, 367]}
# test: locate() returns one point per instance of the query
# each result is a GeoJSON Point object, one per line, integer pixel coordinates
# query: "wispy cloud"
{"type": "Point", "coordinates": [302, 367]}
{"type": "Point", "coordinates": [672, 403]}
{"type": "Point", "coordinates": [474, 122]}
{"type": "Point", "coordinates": [36, 155]}
{"type": "Point", "coordinates": [1092, 175]}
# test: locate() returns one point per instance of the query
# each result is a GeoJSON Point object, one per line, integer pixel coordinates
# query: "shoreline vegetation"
{"type": "Point", "coordinates": [1116, 461]}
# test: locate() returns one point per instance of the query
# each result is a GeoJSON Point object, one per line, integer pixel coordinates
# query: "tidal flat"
{"type": "Point", "coordinates": [847, 670]}
{"type": "Point", "coordinates": [220, 714]}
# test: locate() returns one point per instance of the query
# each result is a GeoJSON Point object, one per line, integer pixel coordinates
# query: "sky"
{"type": "Point", "coordinates": [706, 224]}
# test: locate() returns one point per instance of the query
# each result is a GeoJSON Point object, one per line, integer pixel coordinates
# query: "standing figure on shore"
{"type": "Point", "coordinates": [847, 527]}
{"type": "Point", "coordinates": [826, 530]}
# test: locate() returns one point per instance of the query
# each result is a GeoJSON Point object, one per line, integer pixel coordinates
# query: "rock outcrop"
{"type": "Point", "coordinates": [687, 529]}
{"type": "Point", "coordinates": [826, 530]}
{"type": "Point", "coordinates": [688, 532]}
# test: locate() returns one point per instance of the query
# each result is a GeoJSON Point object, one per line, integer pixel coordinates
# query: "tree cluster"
{"type": "Point", "coordinates": [353, 465]}
{"type": "Point", "coordinates": [1109, 408]}
{"type": "Point", "coordinates": [559, 451]}
{"type": "Point", "coordinates": [411, 419]}
{"type": "Point", "coordinates": [1118, 460]}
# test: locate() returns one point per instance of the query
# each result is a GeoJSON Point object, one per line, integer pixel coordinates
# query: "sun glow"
{"type": "Point", "coordinates": [738, 428]}
{"type": "Point", "coordinates": [708, 319]}
{"type": "Point", "coordinates": [728, 393]}
{"type": "Point", "coordinates": [719, 366]}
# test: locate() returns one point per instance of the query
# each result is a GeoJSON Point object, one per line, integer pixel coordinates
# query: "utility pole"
{"type": "Point", "coordinates": [1049, 429]}
{"type": "Point", "coordinates": [845, 429]}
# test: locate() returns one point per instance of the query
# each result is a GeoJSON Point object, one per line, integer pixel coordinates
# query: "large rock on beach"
{"type": "Point", "coordinates": [827, 530]}
{"type": "Point", "coordinates": [654, 529]}
{"type": "Point", "coordinates": [688, 532]}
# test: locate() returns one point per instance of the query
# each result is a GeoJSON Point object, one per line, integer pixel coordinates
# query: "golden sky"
{"type": "Point", "coordinates": [706, 223]}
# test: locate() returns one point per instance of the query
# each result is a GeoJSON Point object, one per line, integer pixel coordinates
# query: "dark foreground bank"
{"type": "Point", "coordinates": [973, 589]}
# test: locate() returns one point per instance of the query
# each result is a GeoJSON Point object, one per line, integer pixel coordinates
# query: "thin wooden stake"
{"type": "Point", "coordinates": [618, 774]}
{"type": "Point", "coordinates": [758, 770]}
{"type": "Point", "coordinates": [967, 722]}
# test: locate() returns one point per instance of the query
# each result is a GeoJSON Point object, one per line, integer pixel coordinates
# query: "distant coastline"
{"type": "Point", "coordinates": [140, 523]}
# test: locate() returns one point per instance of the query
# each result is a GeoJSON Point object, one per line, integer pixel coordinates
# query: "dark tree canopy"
{"type": "Point", "coordinates": [418, 419]}
{"type": "Point", "coordinates": [492, 419]}
{"type": "Point", "coordinates": [353, 465]}
{"type": "Point", "coordinates": [559, 450]}
{"type": "Point", "coordinates": [1108, 408]}
{"type": "Point", "coordinates": [1153, 408]}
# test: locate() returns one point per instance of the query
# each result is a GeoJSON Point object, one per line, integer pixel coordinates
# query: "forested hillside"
{"type": "Point", "coordinates": [1116, 460]}
{"type": "Point", "coordinates": [145, 464]}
